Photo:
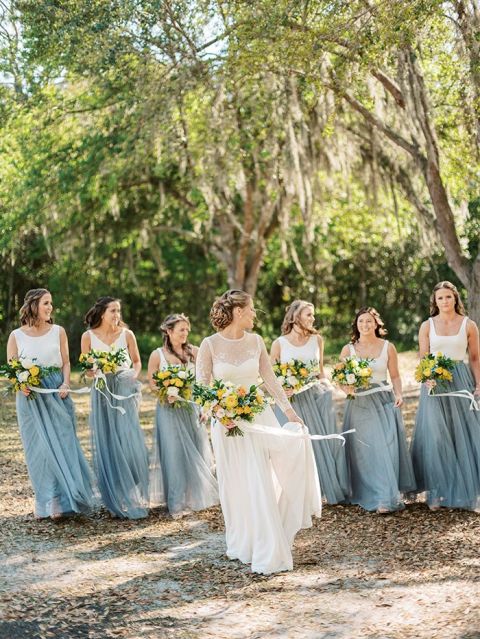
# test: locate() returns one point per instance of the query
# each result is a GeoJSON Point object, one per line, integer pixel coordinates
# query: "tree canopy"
{"type": "Point", "coordinates": [162, 150]}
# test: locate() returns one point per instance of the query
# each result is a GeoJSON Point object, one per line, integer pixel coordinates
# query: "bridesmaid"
{"type": "Point", "coordinates": [446, 441]}
{"type": "Point", "coordinates": [377, 455]}
{"type": "Point", "coordinates": [59, 473]}
{"type": "Point", "coordinates": [300, 340]}
{"type": "Point", "coordinates": [181, 475]}
{"type": "Point", "coordinates": [119, 453]}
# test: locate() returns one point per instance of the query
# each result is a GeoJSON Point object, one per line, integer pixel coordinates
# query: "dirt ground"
{"type": "Point", "coordinates": [410, 574]}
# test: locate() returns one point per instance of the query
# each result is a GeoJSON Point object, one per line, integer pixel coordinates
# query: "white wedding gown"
{"type": "Point", "coordinates": [268, 483]}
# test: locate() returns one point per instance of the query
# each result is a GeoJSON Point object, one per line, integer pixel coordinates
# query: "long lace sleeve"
{"type": "Point", "coordinates": [204, 363]}
{"type": "Point", "coordinates": [270, 380]}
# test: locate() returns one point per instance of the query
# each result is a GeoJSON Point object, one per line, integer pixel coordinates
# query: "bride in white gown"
{"type": "Point", "coordinates": [267, 480]}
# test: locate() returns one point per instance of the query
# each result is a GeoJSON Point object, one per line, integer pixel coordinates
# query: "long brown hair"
{"type": "Point", "coordinates": [29, 309]}
{"type": "Point", "coordinates": [292, 317]}
{"type": "Point", "coordinates": [434, 310]}
{"type": "Point", "coordinates": [380, 330]}
{"type": "Point", "coordinates": [221, 313]}
{"type": "Point", "coordinates": [93, 317]}
{"type": "Point", "coordinates": [169, 324]}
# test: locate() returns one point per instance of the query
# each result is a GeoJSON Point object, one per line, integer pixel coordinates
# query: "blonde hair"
{"type": "Point", "coordinates": [29, 310]}
{"type": "Point", "coordinates": [434, 310]}
{"type": "Point", "coordinates": [292, 317]}
{"type": "Point", "coordinates": [221, 313]}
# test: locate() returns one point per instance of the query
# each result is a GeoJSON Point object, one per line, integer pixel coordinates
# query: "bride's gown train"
{"type": "Point", "coordinates": [267, 480]}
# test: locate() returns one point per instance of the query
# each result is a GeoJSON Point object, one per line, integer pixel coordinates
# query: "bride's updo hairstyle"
{"type": "Point", "coordinates": [221, 314]}
{"type": "Point", "coordinates": [292, 317]}
{"type": "Point", "coordinates": [29, 310]}
{"type": "Point", "coordinates": [93, 317]}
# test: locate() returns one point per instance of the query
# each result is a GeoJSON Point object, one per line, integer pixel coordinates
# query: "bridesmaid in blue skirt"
{"type": "Point", "coordinates": [182, 460]}
{"type": "Point", "coordinates": [120, 456]}
{"type": "Point", "coordinates": [300, 340]}
{"type": "Point", "coordinates": [59, 473]}
{"type": "Point", "coordinates": [377, 455]}
{"type": "Point", "coordinates": [446, 442]}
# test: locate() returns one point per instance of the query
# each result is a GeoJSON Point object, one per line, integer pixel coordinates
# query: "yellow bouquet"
{"type": "Point", "coordinates": [229, 404]}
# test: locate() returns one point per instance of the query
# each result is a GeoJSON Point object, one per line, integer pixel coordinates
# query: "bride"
{"type": "Point", "coordinates": [267, 479]}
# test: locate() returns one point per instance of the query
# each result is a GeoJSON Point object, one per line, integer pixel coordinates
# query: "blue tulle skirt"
{"type": "Point", "coordinates": [315, 406]}
{"type": "Point", "coordinates": [120, 455]}
{"type": "Point", "coordinates": [182, 462]}
{"type": "Point", "coordinates": [446, 445]}
{"type": "Point", "coordinates": [379, 463]}
{"type": "Point", "coordinates": [58, 470]}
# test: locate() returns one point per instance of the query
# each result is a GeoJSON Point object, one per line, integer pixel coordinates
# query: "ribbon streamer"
{"type": "Point", "coordinates": [48, 391]}
{"type": "Point", "coordinates": [376, 389]}
{"type": "Point", "coordinates": [463, 394]}
{"type": "Point", "coordinates": [285, 431]}
{"type": "Point", "coordinates": [101, 376]}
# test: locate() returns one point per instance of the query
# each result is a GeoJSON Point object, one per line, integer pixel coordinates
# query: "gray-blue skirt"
{"type": "Point", "coordinates": [182, 462]}
{"type": "Point", "coordinates": [120, 457]}
{"type": "Point", "coordinates": [446, 445]}
{"type": "Point", "coordinates": [379, 463]}
{"type": "Point", "coordinates": [58, 470]}
{"type": "Point", "coordinates": [315, 406]}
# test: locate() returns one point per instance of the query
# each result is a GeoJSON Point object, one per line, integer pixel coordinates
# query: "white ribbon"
{"type": "Point", "coordinates": [463, 394]}
{"type": "Point", "coordinates": [101, 376]}
{"type": "Point", "coordinates": [376, 389]}
{"type": "Point", "coordinates": [285, 431]}
{"type": "Point", "coordinates": [311, 385]}
{"type": "Point", "coordinates": [45, 391]}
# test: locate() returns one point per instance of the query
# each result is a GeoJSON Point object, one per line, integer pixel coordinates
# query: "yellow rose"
{"type": "Point", "coordinates": [427, 372]}
{"type": "Point", "coordinates": [303, 372]}
{"type": "Point", "coordinates": [178, 383]}
{"type": "Point", "coordinates": [220, 393]}
{"type": "Point", "coordinates": [247, 410]}
{"type": "Point", "coordinates": [231, 401]}
{"type": "Point", "coordinates": [259, 398]}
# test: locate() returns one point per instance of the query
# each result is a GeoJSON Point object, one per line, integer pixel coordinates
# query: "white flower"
{"type": "Point", "coordinates": [23, 376]}
{"type": "Point", "coordinates": [26, 363]}
{"type": "Point", "coordinates": [281, 379]}
{"type": "Point", "coordinates": [220, 413]}
{"type": "Point", "coordinates": [182, 374]}
{"type": "Point", "coordinates": [172, 391]}
{"type": "Point", "coordinates": [292, 380]}
{"type": "Point", "coordinates": [351, 378]}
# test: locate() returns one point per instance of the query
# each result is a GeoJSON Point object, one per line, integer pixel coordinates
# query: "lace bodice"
{"type": "Point", "coordinates": [240, 361]}
{"type": "Point", "coordinates": [379, 365]}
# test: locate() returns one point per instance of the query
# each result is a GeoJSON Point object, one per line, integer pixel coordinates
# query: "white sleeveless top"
{"type": "Point", "coordinates": [454, 346]}
{"type": "Point", "coordinates": [120, 342]}
{"type": "Point", "coordinates": [45, 349]}
{"type": "Point", "coordinates": [379, 365]}
{"type": "Point", "coordinates": [308, 352]}
{"type": "Point", "coordinates": [164, 363]}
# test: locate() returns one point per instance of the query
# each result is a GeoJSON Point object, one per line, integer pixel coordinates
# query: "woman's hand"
{"type": "Point", "coordinates": [348, 390]}
{"type": "Point", "coordinates": [398, 401]}
{"type": "Point", "coordinates": [90, 373]}
{"type": "Point", "coordinates": [289, 392]}
{"type": "Point", "coordinates": [64, 390]}
{"type": "Point", "coordinates": [430, 384]}
{"type": "Point", "coordinates": [26, 392]}
{"type": "Point", "coordinates": [293, 417]}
